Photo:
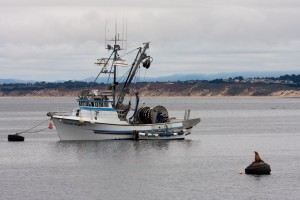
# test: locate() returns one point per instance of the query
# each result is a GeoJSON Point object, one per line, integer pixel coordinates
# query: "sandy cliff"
{"type": "Point", "coordinates": [179, 89]}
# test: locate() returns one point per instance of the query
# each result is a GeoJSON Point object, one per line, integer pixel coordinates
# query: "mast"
{"type": "Point", "coordinates": [117, 46]}
{"type": "Point", "coordinates": [115, 69]}
{"type": "Point", "coordinates": [141, 57]}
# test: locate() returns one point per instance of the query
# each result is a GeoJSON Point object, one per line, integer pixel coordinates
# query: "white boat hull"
{"type": "Point", "coordinates": [71, 129]}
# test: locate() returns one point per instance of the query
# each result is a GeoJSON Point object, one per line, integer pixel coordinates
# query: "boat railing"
{"type": "Point", "coordinates": [50, 114]}
{"type": "Point", "coordinates": [61, 111]}
{"type": "Point", "coordinates": [105, 93]}
{"type": "Point", "coordinates": [95, 93]}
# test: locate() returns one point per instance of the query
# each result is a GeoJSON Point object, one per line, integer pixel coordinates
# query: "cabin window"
{"type": "Point", "coordinates": [92, 103]}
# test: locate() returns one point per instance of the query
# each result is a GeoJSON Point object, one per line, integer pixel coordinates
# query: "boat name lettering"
{"type": "Point", "coordinates": [74, 124]}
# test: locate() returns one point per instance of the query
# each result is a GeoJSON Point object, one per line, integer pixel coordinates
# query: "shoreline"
{"type": "Point", "coordinates": [176, 90]}
{"type": "Point", "coordinates": [169, 97]}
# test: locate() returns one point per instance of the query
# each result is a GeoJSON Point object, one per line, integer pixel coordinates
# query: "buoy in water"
{"type": "Point", "coordinates": [50, 125]}
{"type": "Point", "coordinates": [258, 167]}
{"type": "Point", "coordinates": [15, 138]}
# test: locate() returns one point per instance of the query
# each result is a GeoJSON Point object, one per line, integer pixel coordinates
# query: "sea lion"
{"type": "Point", "coordinates": [258, 166]}
{"type": "Point", "coordinates": [257, 157]}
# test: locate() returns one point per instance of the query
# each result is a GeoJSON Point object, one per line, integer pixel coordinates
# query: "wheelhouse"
{"type": "Point", "coordinates": [96, 101]}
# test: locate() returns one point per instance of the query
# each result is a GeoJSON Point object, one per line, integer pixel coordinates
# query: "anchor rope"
{"type": "Point", "coordinates": [27, 131]}
{"type": "Point", "coordinates": [37, 130]}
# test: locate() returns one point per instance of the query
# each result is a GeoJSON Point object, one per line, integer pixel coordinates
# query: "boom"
{"type": "Point", "coordinates": [141, 55]}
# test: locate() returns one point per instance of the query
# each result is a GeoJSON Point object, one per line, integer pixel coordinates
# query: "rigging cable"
{"type": "Point", "coordinates": [134, 82]}
{"type": "Point", "coordinates": [145, 74]}
{"type": "Point", "coordinates": [137, 80]}
{"type": "Point", "coordinates": [109, 74]}
{"type": "Point", "coordinates": [129, 52]}
{"type": "Point", "coordinates": [101, 71]}
{"type": "Point", "coordinates": [128, 72]}
{"type": "Point", "coordinates": [121, 80]}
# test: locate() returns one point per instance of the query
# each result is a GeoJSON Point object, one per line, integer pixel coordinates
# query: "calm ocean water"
{"type": "Point", "coordinates": [204, 166]}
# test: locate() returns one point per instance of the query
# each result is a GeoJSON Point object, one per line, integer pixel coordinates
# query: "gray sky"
{"type": "Point", "coordinates": [60, 40]}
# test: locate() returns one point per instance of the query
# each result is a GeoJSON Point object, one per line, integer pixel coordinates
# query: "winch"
{"type": "Point", "coordinates": [147, 115]}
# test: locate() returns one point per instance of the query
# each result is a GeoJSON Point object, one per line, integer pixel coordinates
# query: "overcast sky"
{"type": "Point", "coordinates": [60, 39]}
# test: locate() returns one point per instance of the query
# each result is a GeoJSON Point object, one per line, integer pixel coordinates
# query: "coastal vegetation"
{"type": "Point", "coordinates": [286, 85]}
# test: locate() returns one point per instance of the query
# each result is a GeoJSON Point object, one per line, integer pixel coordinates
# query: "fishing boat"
{"type": "Point", "coordinates": [103, 114]}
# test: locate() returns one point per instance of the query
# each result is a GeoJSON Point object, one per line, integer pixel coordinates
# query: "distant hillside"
{"type": "Point", "coordinates": [188, 88]}
{"type": "Point", "coordinates": [200, 76]}
{"type": "Point", "coordinates": [176, 77]}
{"type": "Point", "coordinates": [10, 80]}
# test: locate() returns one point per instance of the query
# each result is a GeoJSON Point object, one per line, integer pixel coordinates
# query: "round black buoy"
{"type": "Point", "coordinates": [15, 138]}
{"type": "Point", "coordinates": [258, 167]}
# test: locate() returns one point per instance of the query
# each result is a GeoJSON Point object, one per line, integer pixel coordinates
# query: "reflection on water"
{"type": "Point", "coordinates": [120, 146]}
{"type": "Point", "coordinates": [157, 145]}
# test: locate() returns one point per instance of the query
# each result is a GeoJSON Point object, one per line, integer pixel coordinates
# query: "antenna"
{"type": "Point", "coordinates": [126, 33]}
{"type": "Point", "coordinates": [119, 38]}
{"type": "Point", "coordinates": [116, 27]}
{"type": "Point", "coordinates": [105, 30]}
{"type": "Point", "coordinates": [123, 31]}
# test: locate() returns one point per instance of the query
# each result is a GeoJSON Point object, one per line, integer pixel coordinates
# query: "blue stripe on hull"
{"type": "Point", "coordinates": [130, 132]}
{"type": "Point", "coordinates": [113, 132]}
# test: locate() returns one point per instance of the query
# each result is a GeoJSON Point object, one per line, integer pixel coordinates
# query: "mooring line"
{"type": "Point", "coordinates": [26, 131]}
